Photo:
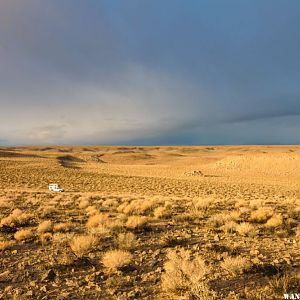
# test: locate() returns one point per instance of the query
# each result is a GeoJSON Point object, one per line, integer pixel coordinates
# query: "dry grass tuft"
{"type": "Point", "coordinates": [161, 212]}
{"type": "Point", "coordinates": [262, 214]}
{"type": "Point", "coordinates": [63, 227]}
{"type": "Point", "coordinates": [182, 271]}
{"type": "Point", "coordinates": [116, 259]}
{"type": "Point", "coordinates": [127, 241]}
{"type": "Point", "coordinates": [23, 235]}
{"type": "Point", "coordinates": [275, 221]}
{"type": "Point", "coordinates": [97, 220]}
{"type": "Point", "coordinates": [82, 245]}
{"type": "Point", "coordinates": [136, 222]}
{"type": "Point", "coordinates": [6, 245]}
{"type": "Point", "coordinates": [83, 204]}
{"type": "Point", "coordinates": [246, 229]}
{"type": "Point", "coordinates": [235, 265]}
{"type": "Point", "coordinates": [45, 226]}
{"type": "Point", "coordinates": [17, 218]}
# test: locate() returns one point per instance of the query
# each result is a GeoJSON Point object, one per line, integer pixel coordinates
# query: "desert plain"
{"type": "Point", "coordinates": [165, 222]}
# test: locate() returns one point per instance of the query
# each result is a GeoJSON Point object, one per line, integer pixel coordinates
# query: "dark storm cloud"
{"type": "Point", "coordinates": [149, 71]}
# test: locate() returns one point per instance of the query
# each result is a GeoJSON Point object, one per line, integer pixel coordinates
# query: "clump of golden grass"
{"type": "Point", "coordinates": [219, 219]}
{"type": "Point", "coordinates": [17, 218]}
{"type": "Point", "coordinates": [183, 272]}
{"type": "Point", "coordinates": [97, 220]}
{"type": "Point", "coordinates": [100, 231]}
{"type": "Point", "coordinates": [63, 227]}
{"type": "Point", "coordinates": [126, 241]}
{"type": "Point", "coordinates": [246, 229]}
{"type": "Point", "coordinates": [84, 203]}
{"type": "Point", "coordinates": [136, 222]}
{"type": "Point", "coordinates": [45, 226]}
{"type": "Point", "coordinates": [4, 244]}
{"type": "Point", "coordinates": [62, 239]}
{"type": "Point", "coordinates": [23, 235]}
{"type": "Point", "coordinates": [261, 214]}
{"type": "Point", "coordinates": [81, 245]}
{"type": "Point", "coordinates": [91, 210]}
{"type": "Point", "coordinates": [116, 259]}
{"type": "Point", "coordinates": [230, 227]}
{"type": "Point", "coordinates": [45, 238]}
{"type": "Point", "coordinates": [161, 212]}
{"type": "Point", "coordinates": [203, 203]}
{"type": "Point", "coordinates": [110, 203]}
{"type": "Point", "coordinates": [5, 203]}
{"type": "Point", "coordinates": [275, 221]}
{"type": "Point", "coordinates": [235, 265]}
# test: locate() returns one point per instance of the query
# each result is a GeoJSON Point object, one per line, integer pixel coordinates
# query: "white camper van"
{"type": "Point", "coordinates": [54, 187]}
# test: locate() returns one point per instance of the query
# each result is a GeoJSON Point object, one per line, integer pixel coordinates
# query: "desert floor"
{"type": "Point", "coordinates": [218, 222]}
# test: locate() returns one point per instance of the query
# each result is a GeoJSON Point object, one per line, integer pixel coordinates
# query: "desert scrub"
{"type": "Point", "coordinates": [23, 235]}
{"type": "Point", "coordinates": [275, 221]}
{"type": "Point", "coordinates": [136, 222]}
{"type": "Point", "coordinates": [63, 227]}
{"type": "Point", "coordinates": [97, 220]}
{"type": "Point", "coordinates": [84, 203]}
{"type": "Point", "coordinates": [161, 212]}
{"type": "Point", "coordinates": [17, 218]}
{"type": "Point", "coordinates": [235, 265]}
{"type": "Point", "coordinates": [81, 245]}
{"type": "Point", "coordinates": [183, 272]}
{"type": "Point", "coordinates": [116, 259]}
{"type": "Point", "coordinates": [126, 241]}
{"type": "Point", "coordinates": [262, 214]}
{"type": "Point", "coordinates": [5, 244]}
{"type": "Point", "coordinates": [246, 229]}
{"type": "Point", "coordinates": [45, 226]}
{"type": "Point", "coordinates": [229, 227]}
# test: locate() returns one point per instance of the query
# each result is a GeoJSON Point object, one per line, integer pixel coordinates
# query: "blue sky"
{"type": "Point", "coordinates": [149, 72]}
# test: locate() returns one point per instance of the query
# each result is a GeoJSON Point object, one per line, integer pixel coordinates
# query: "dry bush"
{"type": "Point", "coordinates": [63, 227]}
{"type": "Point", "coordinates": [17, 218]}
{"type": "Point", "coordinates": [219, 219]}
{"type": "Point", "coordinates": [235, 265]}
{"type": "Point", "coordinates": [83, 204]}
{"type": "Point", "coordinates": [62, 239]}
{"type": "Point", "coordinates": [203, 204]}
{"type": "Point", "coordinates": [23, 235]}
{"type": "Point", "coordinates": [110, 203]}
{"type": "Point", "coordinates": [116, 259]}
{"type": "Point", "coordinates": [262, 214]}
{"type": "Point", "coordinates": [256, 203]}
{"type": "Point", "coordinates": [48, 211]}
{"type": "Point", "coordinates": [234, 215]}
{"type": "Point", "coordinates": [230, 227]}
{"type": "Point", "coordinates": [97, 220]}
{"type": "Point", "coordinates": [183, 272]}
{"type": "Point", "coordinates": [126, 241]}
{"type": "Point", "coordinates": [45, 238]}
{"type": "Point", "coordinates": [81, 245]}
{"type": "Point", "coordinates": [136, 222]}
{"type": "Point", "coordinates": [100, 231]}
{"type": "Point", "coordinates": [275, 221]}
{"type": "Point", "coordinates": [297, 232]}
{"type": "Point", "coordinates": [246, 229]}
{"type": "Point", "coordinates": [91, 210]}
{"type": "Point", "coordinates": [5, 203]}
{"type": "Point", "coordinates": [161, 212]}
{"type": "Point", "coordinates": [45, 226]}
{"type": "Point", "coordinates": [4, 244]}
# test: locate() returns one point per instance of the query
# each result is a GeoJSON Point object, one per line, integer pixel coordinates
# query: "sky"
{"type": "Point", "coordinates": [149, 72]}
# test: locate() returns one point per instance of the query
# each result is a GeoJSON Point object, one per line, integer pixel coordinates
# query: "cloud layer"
{"type": "Point", "coordinates": [149, 72]}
